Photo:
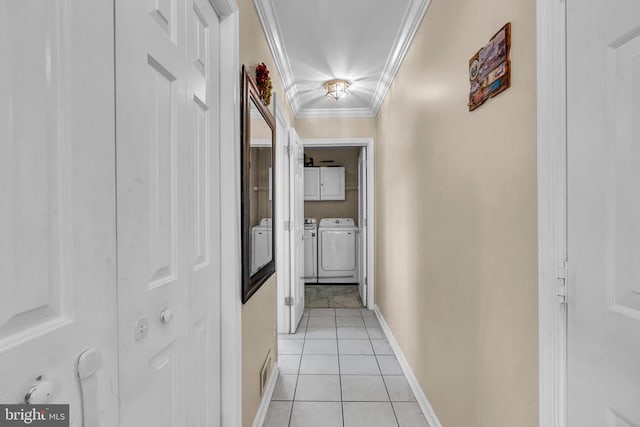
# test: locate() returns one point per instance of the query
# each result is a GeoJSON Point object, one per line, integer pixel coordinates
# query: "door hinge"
{"type": "Point", "coordinates": [366, 281]}
{"type": "Point", "coordinates": [288, 300]}
{"type": "Point", "coordinates": [288, 150]}
{"type": "Point", "coordinates": [288, 225]}
{"type": "Point", "coordinates": [563, 276]}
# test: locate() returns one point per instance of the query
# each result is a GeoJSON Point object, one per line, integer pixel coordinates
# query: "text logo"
{"type": "Point", "coordinates": [34, 415]}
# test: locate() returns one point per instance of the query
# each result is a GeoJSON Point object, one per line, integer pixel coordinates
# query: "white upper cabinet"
{"type": "Point", "coordinates": [312, 183]}
{"type": "Point", "coordinates": [332, 183]}
{"type": "Point", "coordinates": [325, 183]}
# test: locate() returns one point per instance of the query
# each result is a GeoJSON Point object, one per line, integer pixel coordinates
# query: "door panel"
{"type": "Point", "coordinates": [298, 176]}
{"type": "Point", "coordinates": [57, 210]}
{"type": "Point", "coordinates": [332, 183]}
{"type": "Point", "coordinates": [168, 212]}
{"type": "Point", "coordinates": [203, 217]}
{"type": "Point", "coordinates": [311, 183]}
{"type": "Point", "coordinates": [604, 212]}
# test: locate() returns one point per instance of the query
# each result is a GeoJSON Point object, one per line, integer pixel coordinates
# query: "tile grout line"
{"type": "Point", "coordinates": [393, 409]}
{"type": "Point", "coordinates": [295, 390]}
{"type": "Point", "coordinates": [339, 367]}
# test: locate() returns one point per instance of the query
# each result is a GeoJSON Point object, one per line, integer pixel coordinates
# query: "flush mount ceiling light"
{"type": "Point", "coordinates": [337, 88]}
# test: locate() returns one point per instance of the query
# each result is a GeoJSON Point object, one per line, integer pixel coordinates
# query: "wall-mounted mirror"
{"type": "Point", "coordinates": [258, 195]}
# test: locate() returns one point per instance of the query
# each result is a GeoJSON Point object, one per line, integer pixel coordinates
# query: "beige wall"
{"type": "Point", "coordinates": [258, 339]}
{"type": "Point", "coordinates": [259, 313]}
{"type": "Point", "coordinates": [347, 208]}
{"type": "Point", "coordinates": [336, 128]}
{"type": "Point", "coordinates": [456, 218]}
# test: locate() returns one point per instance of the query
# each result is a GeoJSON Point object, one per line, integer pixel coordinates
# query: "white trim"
{"type": "Point", "coordinates": [421, 397]}
{"type": "Point", "coordinates": [267, 17]}
{"type": "Point", "coordinates": [552, 209]}
{"type": "Point", "coordinates": [230, 267]}
{"type": "Point", "coordinates": [224, 8]}
{"type": "Point", "coordinates": [337, 142]}
{"type": "Point", "coordinates": [339, 112]}
{"type": "Point", "coordinates": [266, 398]}
{"type": "Point", "coordinates": [408, 28]}
{"type": "Point", "coordinates": [371, 220]}
{"type": "Point", "coordinates": [410, 24]}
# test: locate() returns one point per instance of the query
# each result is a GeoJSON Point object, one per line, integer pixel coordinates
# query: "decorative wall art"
{"type": "Point", "coordinates": [490, 69]}
{"type": "Point", "coordinates": [263, 81]}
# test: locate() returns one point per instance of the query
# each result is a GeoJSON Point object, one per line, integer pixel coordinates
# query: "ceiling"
{"type": "Point", "coordinates": [362, 41]}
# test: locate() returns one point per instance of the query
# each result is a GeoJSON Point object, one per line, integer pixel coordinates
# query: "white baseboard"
{"type": "Point", "coordinates": [421, 398]}
{"type": "Point", "coordinates": [258, 421]}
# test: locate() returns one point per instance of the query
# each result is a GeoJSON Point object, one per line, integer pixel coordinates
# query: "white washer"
{"type": "Point", "coordinates": [310, 250]}
{"type": "Point", "coordinates": [261, 238]}
{"type": "Point", "coordinates": [337, 251]}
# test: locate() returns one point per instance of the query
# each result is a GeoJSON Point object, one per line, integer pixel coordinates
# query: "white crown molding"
{"type": "Point", "coordinates": [336, 112]}
{"type": "Point", "coordinates": [408, 28]}
{"type": "Point", "coordinates": [267, 17]}
{"type": "Point", "coordinates": [410, 24]}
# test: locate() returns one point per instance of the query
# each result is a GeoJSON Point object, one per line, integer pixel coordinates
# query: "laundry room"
{"type": "Point", "coordinates": [333, 206]}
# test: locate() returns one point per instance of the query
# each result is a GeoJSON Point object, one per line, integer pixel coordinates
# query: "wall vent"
{"type": "Point", "coordinates": [264, 372]}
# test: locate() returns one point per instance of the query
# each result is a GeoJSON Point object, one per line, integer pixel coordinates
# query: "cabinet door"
{"type": "Point", "coordinates": [312, 183]}
{"type": "Point", "coordinates": [332, 183]}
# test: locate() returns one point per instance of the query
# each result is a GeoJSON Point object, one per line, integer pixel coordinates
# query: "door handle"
{"type": "Point", "coordinates": [166, 316]}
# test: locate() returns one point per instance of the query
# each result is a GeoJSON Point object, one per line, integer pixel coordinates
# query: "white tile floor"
{"type": "Point", "coordinates": [339, 370]}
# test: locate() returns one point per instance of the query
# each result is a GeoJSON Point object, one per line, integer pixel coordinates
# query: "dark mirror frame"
{"type": "Point", "coordinates": [251, 283]}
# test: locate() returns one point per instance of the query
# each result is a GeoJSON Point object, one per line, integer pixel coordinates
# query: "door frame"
{"type": "Point", "coordinates": [230, 268]}
{"type": "Point", "coordinates": [367, 143]}
{"type": "Point", "coordinates": [552, 210]}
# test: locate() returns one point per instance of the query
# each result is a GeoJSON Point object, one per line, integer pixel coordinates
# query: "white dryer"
{"type": "Point", "coordinates": [261, 238]}
{"type": "Point", "coordinates": [337, 251]}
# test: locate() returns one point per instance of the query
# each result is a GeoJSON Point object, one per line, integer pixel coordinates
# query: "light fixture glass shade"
{"type": "Point", "coordinates": [337, 88]}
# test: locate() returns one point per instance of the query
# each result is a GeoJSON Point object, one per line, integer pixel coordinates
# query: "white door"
{"type": "Point", "coordinates": [282, 214]}
{"type": "Point", "coordinates": [57, 204]}
{"type": "Point", "coordinates": [332, 183]}
{"type": "Point", "coordinates": [311, 183]}
{"type": "Point", "coordinates": [297, 235]}
{"type": "Point", "coordinates": [362, 224]}
{"type": "Point", "coordinates": [167, 76]}
{"type": "Point", "coordinates": [603, 213]}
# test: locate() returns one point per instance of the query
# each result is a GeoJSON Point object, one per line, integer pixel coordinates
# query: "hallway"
{"type": "Point", "coordinates": [339, 370]}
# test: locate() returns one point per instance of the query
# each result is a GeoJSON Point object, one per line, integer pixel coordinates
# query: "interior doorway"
{"type": "Point", "coordinates": [332, 198]}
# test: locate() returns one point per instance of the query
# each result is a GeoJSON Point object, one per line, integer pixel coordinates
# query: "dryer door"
{"type": "Point", "coordinates": [338, 250]}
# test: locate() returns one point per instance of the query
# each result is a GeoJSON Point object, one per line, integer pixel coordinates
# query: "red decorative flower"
{"type": "Point", "coordinates": [263, 81]}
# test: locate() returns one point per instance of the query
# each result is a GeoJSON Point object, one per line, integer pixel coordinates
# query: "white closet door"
{"type": "Point", "coordinates": [57, 204]}
{"type": "Point", "coordinates": [604, 213]}
{"type": "Point", "coordinates": [168, 212]}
